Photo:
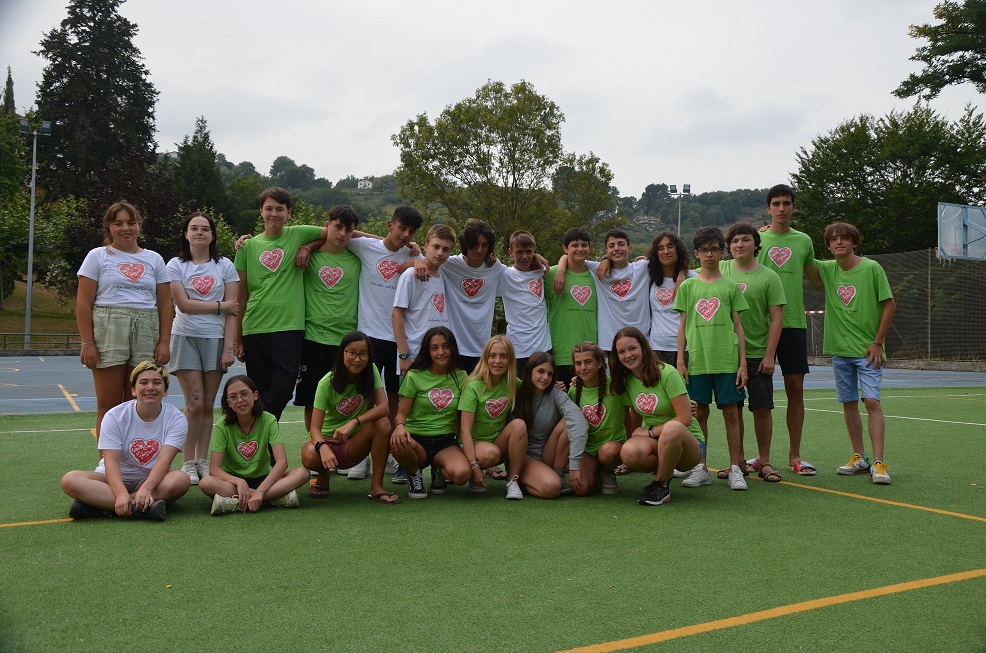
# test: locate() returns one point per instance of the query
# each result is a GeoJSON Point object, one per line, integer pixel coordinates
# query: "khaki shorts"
{"type": "Point", "coordinates": [125, 336]}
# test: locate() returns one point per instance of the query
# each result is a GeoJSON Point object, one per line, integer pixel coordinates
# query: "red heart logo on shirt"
{"type": "Point", "coordinates": [536, 287]}
{"type": "Point", "coordinates": [471, 286]}
{"type": "Point", "coordinates": [202, 285]}
{"type": "Point", "coordinates": [646, 403]}
{"type": "Point", "coordinates": [330, 276]}
{"type": "Point", "coordinates": [846, 293]}
{"type": "Point", "coordinates": [271, 259]}
{"type": "Point", "coordinates": [144, 451]}
{"type": "Point", "coordinates": [440, 397]}
{"type": "Point", "coordinates": [387, 269]}
{"type": "Point", "coordinates": [132, 271]}
{"type": "Point", "coordinates": [349, 405]}
{"type": "Point", "coordinates": [581, 294]}
{"type": "Point", "coordinates": [438, 301]}
{"type": "Point", "coordinates": [247, 449]}
{"type": "Point", "coordinates": [742, 287]}
{"type": "Point", "coordinates": [594, 416]}
{"type": "Point", "coordinates": [779, 255]}
{"type": "Point", "coordinates": [664, 296]}
{"type": "Point", "coordinates": [621, 288]}
{"type": "Point", "coordinates": [707, 307]}
{"type": "Point", "coordinates": [494, 407]}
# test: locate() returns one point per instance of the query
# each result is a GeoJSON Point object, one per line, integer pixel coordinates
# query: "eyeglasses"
{"type": "Point", "coordinates": [715, 251]}
{"type": "Point", "coordinates": [666, 248]}
{"type": "Point", "coordinates": [357, 355]}
{"type": "Point", "coordinates": [234, 396]}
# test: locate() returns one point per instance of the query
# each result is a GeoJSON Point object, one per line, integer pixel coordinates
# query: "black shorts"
{"type": "Point", "coordinates": [385, 358]}
{"type": "Point", "coordinates": [792, 351]}
{"type": "Point", "coordinates": [759, 387]}
{"type": "Point", "coordinates": [317, 360]}
{"type": "Point", "coordinates": [469, 363]}
{"type": "Point", "coordinates": [254, 483]}
{"type": "Point", "coordinates": [670, 357]}
{"type": "Point", "coordinates": [565, 374]}
{"type": "Point", "coordinates": [433, 444]}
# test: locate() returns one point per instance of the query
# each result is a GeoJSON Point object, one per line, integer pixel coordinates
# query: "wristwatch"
{"type": "Point", "coordinates": [319, 444]}
{"type": "Point", "coordinates": [404, 355]}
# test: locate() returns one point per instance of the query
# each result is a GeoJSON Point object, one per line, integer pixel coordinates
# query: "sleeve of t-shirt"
{"type": "Point", "coordinates": [308, 232]}
{"type": "Point", "coordinates": [272, 428]}
{"type": "Point", "coordinates": [810, 251]}
{"type": "Point", "coordinates": [882, 284]}
{"type": "Point", "coordinates": [377, 381]}
{"type": "Point", "coordinates": [176, 430]}
{"type": "Point", "coordinates": [161, 274]}
{"type": "Point", "coordinates": [470, 397]}
{"type": "Point", "coordinates": [775, 292]}
{"type": "Point", "coordinates": [110, 433]}
{"type": "Point", "coordinates": [322, 392]}
{"type": "Point", "coordinates": [240, 259]}
{"type": "Point", "coordinates": [592, 266]}
{"type": "Point", "coordinates": [229, 272]}
{"type": "Point", "coordinates": [408, 385]}
{"type": "Point", "coordinates": [218, 442]}
{"type": "Point", "coordinates": [673, 384]}
{"type": "Point", "coordinates": [578, 428]}
{"type": "Point", "coordinates": [402, 297]}
{"type": "Point", "coordinates": [174, 269]}
{"type": "Point", "coordinates": [681, 297]}
{"type": "Point", "coordinates": [90, 267]}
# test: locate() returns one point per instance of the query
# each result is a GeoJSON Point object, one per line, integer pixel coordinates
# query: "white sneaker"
{"type": "Point", "coordinates": [736, 480]}
{"type": "Point", "coordinates": [358, 471]}
{"type": "Point", "coordinates": [343, 472]}
{"type": "Point", "coordinates": [513, 489]}
{"type": "Point", "coordinates": [221, 504]}
{"type": "Point", "coordinates": [682, 474]}
{"type": "Point", "coordinates": [190, 468]}
{"type": "Point", "coordinates": [392, 465]}
{"type": "Point", "coordinates": [698, 476]}
{"type": "Point", "coordinates": [289, 500]}
{"type": "Point", "coordinates": [203, 468]}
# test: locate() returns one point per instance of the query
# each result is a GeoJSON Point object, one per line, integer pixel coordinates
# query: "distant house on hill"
{"type": "Point", "coordinates": [650, 221]}
{"type": "Point", "coordinates": [364, 184]}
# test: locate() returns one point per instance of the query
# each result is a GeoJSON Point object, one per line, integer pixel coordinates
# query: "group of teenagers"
{"type": "Point", "coordinates": [607, 366]}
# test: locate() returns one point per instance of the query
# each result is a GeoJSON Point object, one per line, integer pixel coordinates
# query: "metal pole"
{"type": "Point", "coordinates": [30, 247]}
{"type": "Point", "coordinates": [679, 215]}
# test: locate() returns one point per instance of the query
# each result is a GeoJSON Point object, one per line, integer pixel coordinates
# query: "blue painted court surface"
{"type": "Point", "coordinates": [60, 384]}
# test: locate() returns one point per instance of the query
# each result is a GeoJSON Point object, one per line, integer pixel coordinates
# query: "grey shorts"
{"type": "Point", "coordinates": [125, 336]}
{"type": "Point", "coordinates": [196, 354]}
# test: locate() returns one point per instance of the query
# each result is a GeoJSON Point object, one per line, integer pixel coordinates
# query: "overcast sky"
{"type": "Point", "coordinates": [716, 93]}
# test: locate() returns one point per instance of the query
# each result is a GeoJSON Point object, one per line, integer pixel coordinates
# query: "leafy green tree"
{"type": "Point", "coordinates": [886, 176]}
{"type": "Point", "coordinates": [197, 176]}
{"type": "Point", "coordinates": [284, 172]}
{"type": "Point", "coordinates": [955, 52]}
{"type": "Point", "coordinates": [653, 199]}
{"type": "Point", "coordinates": [498, 156]}
{"type": "Point", "coordinates": [8, 94]}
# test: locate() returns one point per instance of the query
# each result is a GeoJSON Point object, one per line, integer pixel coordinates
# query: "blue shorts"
{"type": "Point", "coordinates": [851, 375]}
{"type": "Point", "coordinates": [701, 386]}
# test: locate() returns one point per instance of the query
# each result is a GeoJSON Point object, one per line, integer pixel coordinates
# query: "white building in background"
{"type": "Point", "coordinates": [364, 184]}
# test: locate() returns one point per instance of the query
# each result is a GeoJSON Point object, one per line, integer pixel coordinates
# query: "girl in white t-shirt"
{"type": "Point", "coordinates": [140, 439]}
{"type": "Point", "coordinates": [667, 266]}
{"type": "Point", "coordinates": [204, 287]}
{"type": "Point", "coordinates": [123, 308]}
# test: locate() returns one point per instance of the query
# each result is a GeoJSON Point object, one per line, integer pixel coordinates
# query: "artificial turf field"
{"type": "Point", "coordinates": [781, 567]}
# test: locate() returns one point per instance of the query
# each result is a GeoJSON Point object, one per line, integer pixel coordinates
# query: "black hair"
{"type": "Point", "coordinates": [229, 415]}
{"type": "Point", "coordinates": [186, 248]}
{"type": "Point", "coordinates": [340, 375]}
{"type": "Point", "coordinates": [654, 268]}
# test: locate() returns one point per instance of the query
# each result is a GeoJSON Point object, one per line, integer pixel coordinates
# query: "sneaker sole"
{"type": "Point", "coordinates": [661, 502]}
{"type": "Point", "coordinates": [432, 490]}
{"type": "Point", "coordinates": [880, 481]}
{"type": "Point", "coordinates": [707, 481]}
{"type": "Point", "coordinates": [399, 481]}
{"type": "Point", "coordinates": [842, 472]}
{"type": "Point", "coordinates": [610, 490]}
{"type": "Point", "coordinates": [416, 496]}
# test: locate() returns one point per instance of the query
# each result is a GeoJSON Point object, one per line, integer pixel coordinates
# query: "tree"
{"type": "Point", "coordinates": [886, 176]}
{"type": "Point", "coordinates": [96, 92]}
{"type": "Point", "coordinates": [284, 172]}
{"type": "Point", "coordinates": [497, 156]}
{"type": "Point", "coordinates": [955, 53]}
{"type": "Point", "coordinates": [653, 199]}
{"type": "Point", "coordinates": [8, 94]}
{"type": "Point", "coordinates": [197, 177]}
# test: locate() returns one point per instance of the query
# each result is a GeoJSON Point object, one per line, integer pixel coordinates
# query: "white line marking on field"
{"type": "Point", "coordinates": [916, 419]}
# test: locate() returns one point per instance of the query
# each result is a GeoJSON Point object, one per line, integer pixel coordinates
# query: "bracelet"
{"type": "Point", "coordinates": [87, 344]}
{"type": "Point", "coordinates": [474, 465]}
{"type": "Point", "coordinates": [358, 423]}
{"type": "Point", "coordinates": [879, 344]}
{"type": "Point", "coordinates": [319, 444]}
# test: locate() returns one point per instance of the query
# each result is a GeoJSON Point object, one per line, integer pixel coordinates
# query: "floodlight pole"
{"type": "Point", "coordinates": [25, 128]}
{"type": "Point", "coordinates": [686, 189]}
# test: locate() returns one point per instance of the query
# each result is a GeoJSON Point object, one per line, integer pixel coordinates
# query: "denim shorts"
{"type": "Point", "coordinates": [851, 375]}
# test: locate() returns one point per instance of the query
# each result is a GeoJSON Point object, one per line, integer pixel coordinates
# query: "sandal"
{"type": "Point", "coordinates": [496, 473]}
{"type": "Point", "coordinates": [746, 468]}
{"type": "Point", "coordinates": [803, 468]}
{"type": "Point", "coordinates": [386, 498]}
{"type": "Point", "coordinates": [622, 470]}
{"type": "Point", "coordinates": [768, 473]}
{"type": "Point", "coordinates": [316, 491]}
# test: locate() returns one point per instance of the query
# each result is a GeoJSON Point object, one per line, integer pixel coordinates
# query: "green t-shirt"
{"type": "Point", "coordinates": [572, 316]}
{"type": "Point", "coordinates": [246, 455]}
{"type": "Point", "coordinates": [788, 255]}
{"type": "Point", "coordinates": [340, 408]}
{"type": "Point", "coordinates": [713, 347]}
{"type": "Point", "coordinates": [605, 420]}
{"type": "Point", "coordinates": [489, 406]}
{"type": "Point", "coordinates": [436, 401]}
{"type": "Point", "coordinates": [654, 404]}
{"type": "Point", "coordinates": [331, 296]}
{"type": "Point", "coordinates": [761, 289]}
{"type": "Point", "coordinates": [276, 285]}
{"type": "Point", "coordinates": [853, 306]}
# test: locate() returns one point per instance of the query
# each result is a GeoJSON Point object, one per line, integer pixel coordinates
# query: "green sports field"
{"type": "Point", "coordinates": [782, 567]}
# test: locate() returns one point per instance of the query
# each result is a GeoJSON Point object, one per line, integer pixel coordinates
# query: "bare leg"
{"type": "Point", "coordinates": [731, 416]}
{"type": "Point", "coordinates": [112, 389]}
{"type": "Point", "coordinates": [702, 416]}
{"type": "Point", "coordinates": [763, 426]}
{"type": "Point", "coordinates": [876, 425]}
{"type": "Point", "coordinates": [540, 480]}
{"type": "Point", "coordinates": [854, 425]}
{"type": "Point", "coordinates": [794, 388]}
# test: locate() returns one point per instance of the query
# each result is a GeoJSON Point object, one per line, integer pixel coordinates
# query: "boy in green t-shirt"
{"type": "Point", "coordinates": [762, 324]}
{"type": "Point", "coordinates": [859, 308]}
{"type": "Point", "coordinates": [572, 305]}
{"type": "Point", "coordinates": [331, 300]}
{"type": "Point", "coordinates": [709, 307]}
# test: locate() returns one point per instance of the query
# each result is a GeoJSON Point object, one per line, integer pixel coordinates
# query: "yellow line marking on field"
{"type": "Point", "coordinates": [37, 523]}
{"type": "Point", "coordinates": [915, 419]}
{"type": "Point", "coordinates": [886, 501]}
{"type": "Point", "coordinates": [773, 613]}
{"type": "Point", "coordinates": [69, 396]}
{"type": "Point", "coordinates": [41, 359]}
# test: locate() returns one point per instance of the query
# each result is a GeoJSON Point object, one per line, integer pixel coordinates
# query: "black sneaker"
{"type": "Point", "coordinates": [416, 486]}
{"type": "Point", "coordinates": [81, 510]}
{"type": "Point", "coordinates": [158, 511]}
{"type": "Point", "coordinates": [655, 494]}
{"type": "Point", "coordinates": [438, 483]}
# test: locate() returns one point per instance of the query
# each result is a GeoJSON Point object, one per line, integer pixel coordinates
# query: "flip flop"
{"type": "Point", "coordinates": [622, 470]}
{"type": "Point", "coordinates": [316, 491]}
{"type": "Point", "coordinates": [381, 498]}
{"type": "Point", "coordinates": [803, 468]}
{"type": "Point", "coordinates": [497, 473]}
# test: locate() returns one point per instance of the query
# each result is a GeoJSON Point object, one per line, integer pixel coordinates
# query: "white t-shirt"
{"type": "Point", "coordinates": [622, 300]}
{"type": "Point", "coordinates": [202, 282]}
{"type": "Point", "coordinates": [472, 296]}
{"type": "Point", "coordinates": [377, 285]}
{"type": "Point", "coordinates": [526, 310]}
{"type": "Point", "coordinates": [139, 442]}
{"type": "Point", "coordinates": [123, 279]}
{"type": "Point", "coordinates": [664, 319]}
{"type": "Point", "coordinates": [425, 304]}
